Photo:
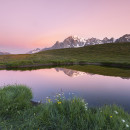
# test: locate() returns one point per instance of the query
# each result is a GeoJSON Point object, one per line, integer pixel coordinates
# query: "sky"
{"type": "Point", "coordinates": [30, 24]}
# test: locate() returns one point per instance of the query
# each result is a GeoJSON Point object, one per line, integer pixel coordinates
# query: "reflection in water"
{"type": "Point", "coordinates": [95, 89]}
{"type": "Point", "coordinates": [71, 73]}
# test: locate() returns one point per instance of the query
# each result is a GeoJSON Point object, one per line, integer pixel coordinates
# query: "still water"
{"type": "Point", "coordinates": [96, 89]}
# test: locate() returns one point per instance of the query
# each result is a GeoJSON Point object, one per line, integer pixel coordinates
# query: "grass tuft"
{"type": "Point", "coordinates": [14, 99]}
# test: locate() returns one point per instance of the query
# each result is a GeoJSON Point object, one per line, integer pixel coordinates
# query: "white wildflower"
{"type": "Point", "coordinates": [116, 112]}
{"type": "Point", "coordinates": [86, 107]}
{"type": "Point", "coordinates": [123, 120]}
{"type": "Point", "coordinates": [57, 95]}
{"type": "Point", "coordinates": [127, 125]}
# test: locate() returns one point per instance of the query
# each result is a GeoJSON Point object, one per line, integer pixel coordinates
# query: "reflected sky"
{"type": "Point", "coordinates": [95, 89]}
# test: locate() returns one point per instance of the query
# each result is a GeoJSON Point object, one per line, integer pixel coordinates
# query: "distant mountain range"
{"type": "Point", "coordinates": [75, 42]}
{"type": "Point", "coordinates": [4, 53]}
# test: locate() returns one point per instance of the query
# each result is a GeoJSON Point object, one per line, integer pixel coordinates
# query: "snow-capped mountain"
{"type": "Point", "coordinates": [75, 42]}
{"type": "Point", "coordinates": [106, 40]}
{"type": "Point", "coordinates": [70, 42]}
{"type": "Point", "coordinates": [34, 51]}
{"type": "Point", "coordinates": [4, 53]}
{"type": "Point", "coordinates": [124, 38]}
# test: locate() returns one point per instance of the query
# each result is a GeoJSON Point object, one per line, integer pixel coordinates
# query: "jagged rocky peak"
{"type": "Point", "coordinates": [57, 42]}
{"type": "Point", "coordinates": [107, 40]}
{"type": "Point", "coordinates": [124, 38]}
{"type": "Point", "coordinates": [73, 42]}
{"type": "Point", "coordinates": [34, 51]}
{"type": "Point", "coordinates": [74, 39]}
{"type": "Point", "coordinates": [4, 53]}
{"type": "Point", "coordinates": [37, 49]}
{"type": "Point", "coordinates": [79, 39]}
{"type": "Point", "coordinates": [93, 41]}
{"type": "Point", "coordinates": [70, 42]}
{"type": "Point", "coordinates": [57, 45]}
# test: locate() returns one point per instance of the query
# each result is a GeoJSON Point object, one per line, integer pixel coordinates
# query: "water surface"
{"type": "Point", "coordinates": [96, 89]}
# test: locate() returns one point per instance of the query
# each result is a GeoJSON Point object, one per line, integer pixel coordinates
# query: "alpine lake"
{"type": "Point", "coordinates": [97, 85]}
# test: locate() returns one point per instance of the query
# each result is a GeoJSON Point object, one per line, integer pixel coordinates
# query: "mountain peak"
{"type": "Point", "coordinates": [105, 38]}
{"type": "Point", "coordinates": [124, 38]}
{"type": "Point", "coordinates": [34, 51]}
{"type": "Point", "coordinates": [76, 38]}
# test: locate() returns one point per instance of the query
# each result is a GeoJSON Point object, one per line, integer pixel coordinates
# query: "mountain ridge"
{"type": "Point", "coordinates": [75, 42]}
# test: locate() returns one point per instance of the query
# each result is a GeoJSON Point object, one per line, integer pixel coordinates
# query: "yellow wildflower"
{"type": "Point", "coordinates": [59, 102]}
{"type": "Point", "coordinates": [110, 116]}
{"type": "Point", "coordinates": [49, 100]}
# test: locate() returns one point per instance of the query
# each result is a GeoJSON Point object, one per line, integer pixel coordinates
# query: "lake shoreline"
{"type": "Point", "coordinates": [118, 65]}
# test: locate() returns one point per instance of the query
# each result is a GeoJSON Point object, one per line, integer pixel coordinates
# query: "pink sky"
{"type": "Point", "coordinates": [28, 24]}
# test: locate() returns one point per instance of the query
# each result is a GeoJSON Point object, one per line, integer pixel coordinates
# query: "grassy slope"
{"type": "Point", "coordinates": [16, 112]}
{"type": "Point", "coordinates": [107, 53]}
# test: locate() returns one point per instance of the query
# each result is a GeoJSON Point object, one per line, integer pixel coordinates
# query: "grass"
{"type": "Point", "coordinates": [13, 99]}
{"type": "Point", "coordinates": [117, 54]}
{"type": "Point", "coordinates": [16, 112]}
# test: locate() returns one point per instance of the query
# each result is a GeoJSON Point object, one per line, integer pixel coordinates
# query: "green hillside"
{"type": "Point", "coordinates": [111, 53]}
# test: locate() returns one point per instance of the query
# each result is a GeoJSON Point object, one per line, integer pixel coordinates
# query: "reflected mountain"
{"type": "Point", "coordinates": [71, 73]}
{"type": "Point", "coordinates": [79, 70]}
{"type": "Point", "coordinates": [123, 73]}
